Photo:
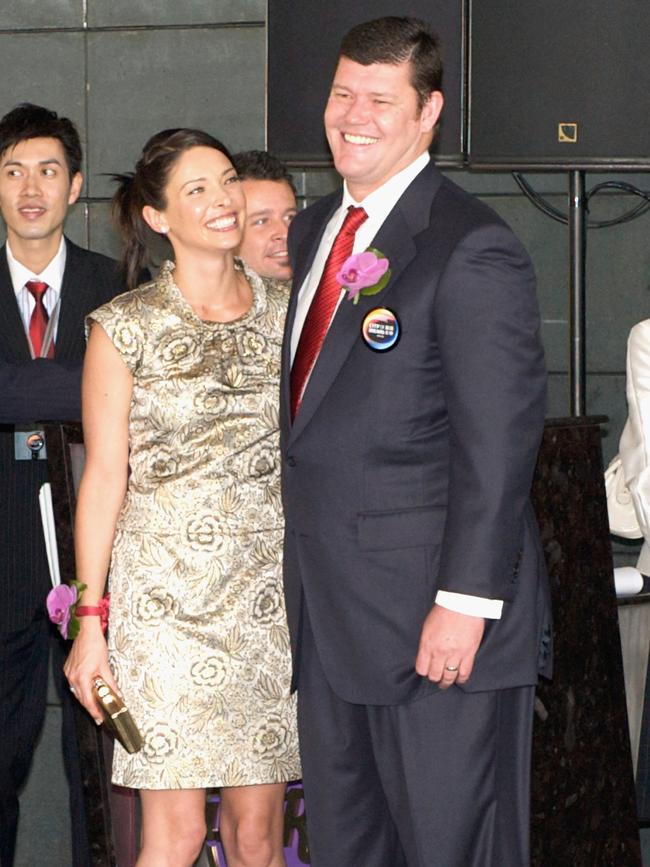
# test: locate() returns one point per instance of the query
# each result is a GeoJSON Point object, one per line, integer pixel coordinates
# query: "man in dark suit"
{"type": "Point", "coordinates": [47, 286]}
{"type": "Point", "coordinates": [410, 421]}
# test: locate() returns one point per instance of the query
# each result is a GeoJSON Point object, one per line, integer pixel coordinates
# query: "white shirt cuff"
{"type": "Point", "coordinates": [477, 606]}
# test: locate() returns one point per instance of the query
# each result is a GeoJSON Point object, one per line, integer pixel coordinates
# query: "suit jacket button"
{"type": "Point", "coordinates": [291, 461]}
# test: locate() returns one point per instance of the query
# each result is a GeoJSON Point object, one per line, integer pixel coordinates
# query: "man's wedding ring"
{"type": "Point", "coordinates": [451, 668]}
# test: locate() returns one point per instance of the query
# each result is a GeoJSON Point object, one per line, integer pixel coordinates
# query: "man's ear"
{"type": "Point", "coordinates": [155, 220]}
{"type": "Point", "coordinates": [75, 188]}
{"type": "Point", "coordinates": [431, 111]}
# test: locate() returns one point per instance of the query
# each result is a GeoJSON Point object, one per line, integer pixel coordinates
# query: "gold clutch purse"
{"type": "Point", "coordinates": [117, 716]}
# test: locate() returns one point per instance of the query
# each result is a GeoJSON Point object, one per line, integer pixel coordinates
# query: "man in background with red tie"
{"type": "Point", "coordinates": [413, 400]}
{"type": "Point", "coordinates": [47, 286]}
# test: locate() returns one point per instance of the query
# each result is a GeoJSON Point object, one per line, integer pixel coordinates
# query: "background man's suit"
{"type": "Point", "coordinates": [32, 391]}
{"type": "Point", "coordinates": [409, 471]}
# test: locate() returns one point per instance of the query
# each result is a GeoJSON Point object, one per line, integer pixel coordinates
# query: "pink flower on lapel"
{"type": "Point", "coordinates": [364, 273]}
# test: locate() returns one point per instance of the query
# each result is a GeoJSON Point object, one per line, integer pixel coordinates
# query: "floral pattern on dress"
{"type": "Point", "coordinates": [198, 638]}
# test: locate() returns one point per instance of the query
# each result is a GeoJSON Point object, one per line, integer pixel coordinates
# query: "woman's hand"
{"type": "Point", "coordinates": [87, 660]}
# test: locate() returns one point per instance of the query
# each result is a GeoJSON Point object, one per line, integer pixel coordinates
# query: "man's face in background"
{"type": "Point", "coordinates": [270, 206]}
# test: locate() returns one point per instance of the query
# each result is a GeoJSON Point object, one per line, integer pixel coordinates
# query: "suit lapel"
{"type": "Point", "coordinates": [307, 247]}
{"type": "Point", "coordinates": [395, 239]}
{"type": "Point", "coordinates": [75, 280]}
{"type": "Point", "coordinates": [12, 331]}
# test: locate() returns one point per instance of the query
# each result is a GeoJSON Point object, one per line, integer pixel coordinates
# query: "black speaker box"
{"type": "Point", "coordinates": [559, 83]}
{"type": "Point", "coordinates": [303, 42]}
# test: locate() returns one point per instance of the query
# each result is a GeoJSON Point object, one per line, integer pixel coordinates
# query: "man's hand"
{"type": "Point", "coordinates": [448, 645]}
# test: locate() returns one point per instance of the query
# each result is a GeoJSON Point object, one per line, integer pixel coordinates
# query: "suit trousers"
{"type": "Point", "coordinates": [442, 781]}
{"type": "Point", "coordinates": [24, 656]}
{"type": "Point", "coordinates": [24, 662]}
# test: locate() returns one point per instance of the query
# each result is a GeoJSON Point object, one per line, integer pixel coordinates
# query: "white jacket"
{"type": "Point", "coordinates": [634, 446]}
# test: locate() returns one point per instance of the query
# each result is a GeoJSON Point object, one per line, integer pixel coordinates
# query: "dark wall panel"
{"type": "Point", "coordinates": [167, 78]}
{"type": "Point", "coordinates": [303, 41]}
{"type": "Point", "coordinates": [559, 83]}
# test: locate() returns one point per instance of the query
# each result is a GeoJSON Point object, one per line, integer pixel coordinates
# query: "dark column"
{"type": "Point", "coordinates": [583, 805]}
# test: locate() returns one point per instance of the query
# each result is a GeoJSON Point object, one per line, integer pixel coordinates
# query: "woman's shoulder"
{"type": "Point", "coordinates": [638, 343]}
{"type": "Point", "coordinates": [275, 292]}
{"type": "Point", "coordinates": [130, 319]}
{"type": "Point", "coordinates": [640, 331]}
{"type": "Point", "coordinates": [279, 290]}
{"type": "Point", "coordinates": [136, 303]}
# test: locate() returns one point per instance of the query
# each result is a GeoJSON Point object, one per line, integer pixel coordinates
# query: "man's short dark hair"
{"type": "Point", "coordinates": [261, 166]}
{"type": "Point", "coordinates": [27, 121]}
{"type": "Point", "coordinates": [397, 40]}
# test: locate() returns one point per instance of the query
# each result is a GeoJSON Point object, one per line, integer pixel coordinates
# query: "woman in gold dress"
{"type": "Point", "coordinates": [180, 493]}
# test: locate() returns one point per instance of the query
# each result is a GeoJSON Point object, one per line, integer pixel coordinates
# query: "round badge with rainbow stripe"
{"type": "Point", "coordinates": [381, 329]}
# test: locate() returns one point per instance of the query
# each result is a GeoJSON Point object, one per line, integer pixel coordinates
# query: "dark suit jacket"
{"type": "Point", "coordinates": [33, 391]}
{"type": "Point", "coordinates": [409, 471]}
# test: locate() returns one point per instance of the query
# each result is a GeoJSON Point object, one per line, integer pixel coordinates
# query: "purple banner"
{"type": "Point", "coordinates": [296, 848]}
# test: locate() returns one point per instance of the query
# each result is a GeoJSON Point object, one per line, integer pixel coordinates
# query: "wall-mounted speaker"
{"type": "Point", "coordinates": [303, 42]}
{"type": "Point", "coordinates": [559, 84]}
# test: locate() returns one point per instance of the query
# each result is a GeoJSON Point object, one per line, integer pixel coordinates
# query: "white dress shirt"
{"type": "Point", "coordinates": [378, 206]}
{"type": "Point", "coordinates": [634, 446]}
{"type": "Point", "coordinates": [52, 274]}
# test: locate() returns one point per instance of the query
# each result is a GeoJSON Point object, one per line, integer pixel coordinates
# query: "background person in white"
{"type": "Point", "coordinates": [634, 448]}
{"type": "Point", "coordinates": [406, 481]}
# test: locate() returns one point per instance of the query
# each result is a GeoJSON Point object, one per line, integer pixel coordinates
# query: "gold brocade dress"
{"type": "Point", "coordinates": [198, 637]}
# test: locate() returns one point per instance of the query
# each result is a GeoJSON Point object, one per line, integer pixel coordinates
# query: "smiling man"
{"type": "Point", "coordinates": [47, 286]}
{"type": "Point", "coordinates": [270, 208]}
{"type": "Point", "coordinates": [411, 415]}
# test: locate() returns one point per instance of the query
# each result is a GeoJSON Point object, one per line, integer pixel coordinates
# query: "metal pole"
{"type": "Point", "coordinates": [577, 318]}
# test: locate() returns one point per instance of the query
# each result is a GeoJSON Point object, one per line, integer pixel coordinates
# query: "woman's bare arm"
{"type": "Point", "coordinates": [106, 397]}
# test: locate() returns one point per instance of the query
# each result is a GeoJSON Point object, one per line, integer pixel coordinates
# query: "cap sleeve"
{"type": "Point", "coordinates": [120, 321]}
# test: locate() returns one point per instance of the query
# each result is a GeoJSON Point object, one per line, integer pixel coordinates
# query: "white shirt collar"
{"type": "Point", "coordinates": [380, 202]}
{"type": "Point", "coordinates": [52, 274]}
{"type": "Point", "coordinates": [378, 206]}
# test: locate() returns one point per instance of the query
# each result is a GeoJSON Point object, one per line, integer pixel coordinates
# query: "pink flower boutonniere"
{"type": "Point", "coordinates": [364, 273]}
{"type": "Point", "coordinates": [62, 604]}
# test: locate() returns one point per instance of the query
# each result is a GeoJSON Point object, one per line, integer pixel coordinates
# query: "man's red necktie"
{"type": "Point", "coordinates": [322, 306]}
{"type": "Point", "coordinates": [39, 318]}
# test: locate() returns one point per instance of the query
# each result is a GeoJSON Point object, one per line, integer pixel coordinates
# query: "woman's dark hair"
{"type": "Point", "coordinates": [398, 40]}
{"type": "Point", "coordinates": [27, 121]}
{"type": "Point", "coordinates": [146, 186]}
